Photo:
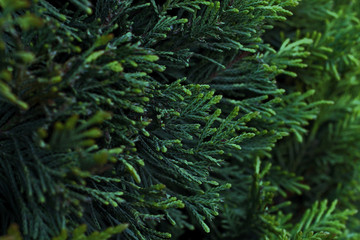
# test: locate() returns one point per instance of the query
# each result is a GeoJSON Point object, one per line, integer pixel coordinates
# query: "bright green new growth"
{"type": "Point", "coordinates": [179, 119]}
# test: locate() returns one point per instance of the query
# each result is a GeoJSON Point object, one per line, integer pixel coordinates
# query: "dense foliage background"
{"type": "Point", "coordinates": [181, 119]}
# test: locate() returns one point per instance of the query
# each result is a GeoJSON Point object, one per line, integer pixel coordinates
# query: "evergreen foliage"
{"type": "Point", "coordinates": [179, 119]}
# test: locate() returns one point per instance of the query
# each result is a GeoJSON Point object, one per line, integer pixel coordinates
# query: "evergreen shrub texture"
{"type": "Point", "coordinates": [179, 119]}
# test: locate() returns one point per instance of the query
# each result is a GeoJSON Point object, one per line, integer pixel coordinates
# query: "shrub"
{"type": "Point", "coordinates": [182, 119]}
